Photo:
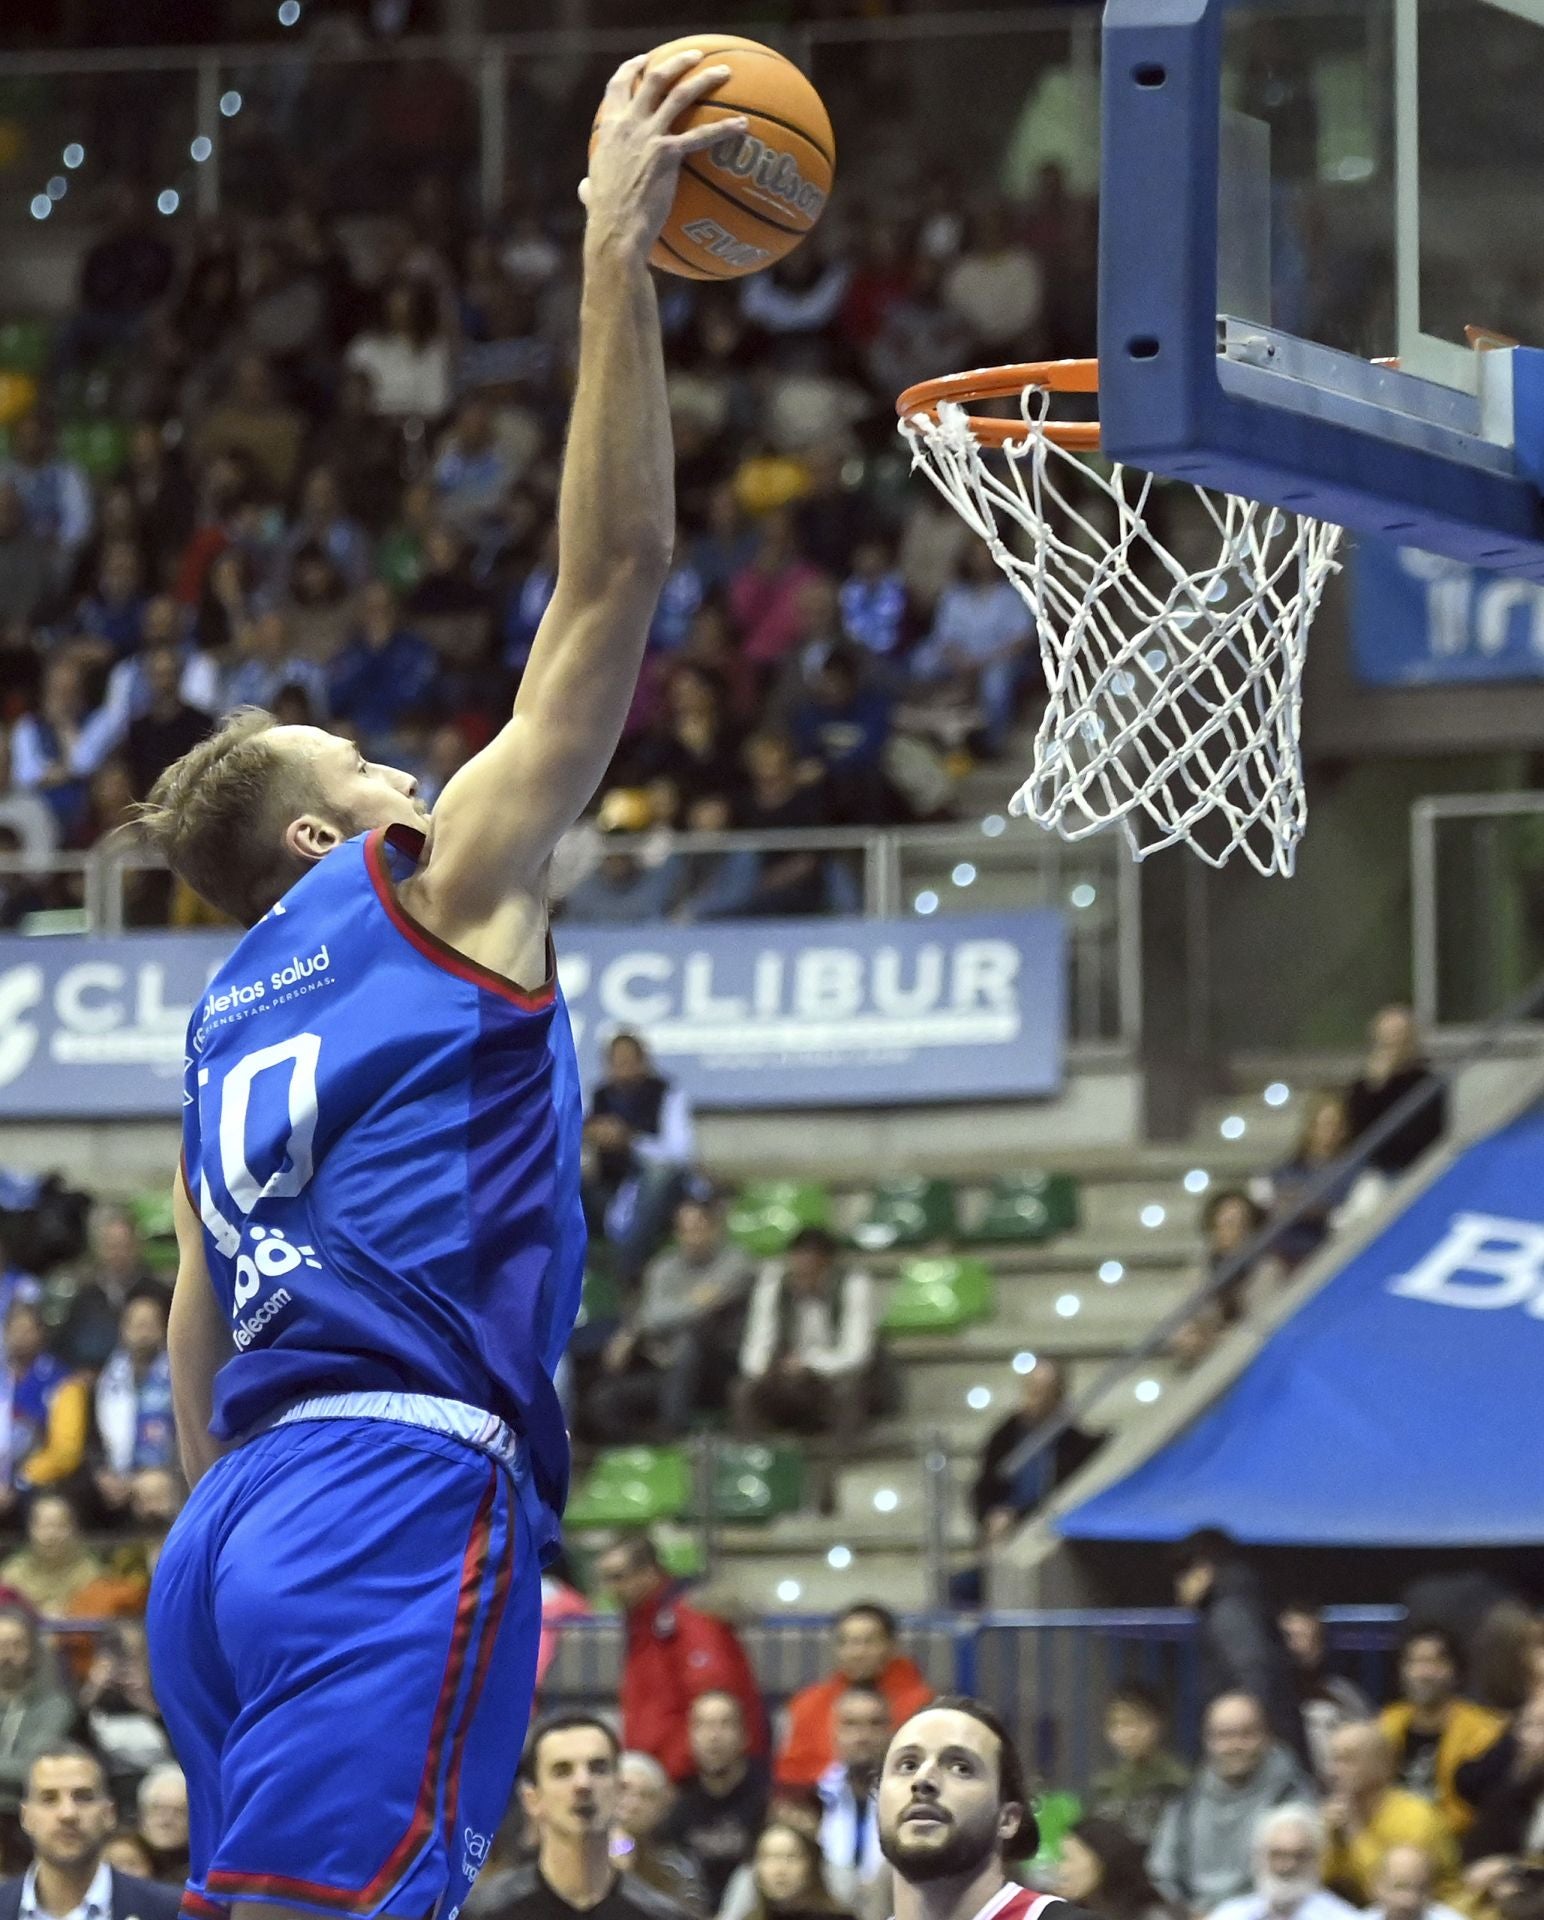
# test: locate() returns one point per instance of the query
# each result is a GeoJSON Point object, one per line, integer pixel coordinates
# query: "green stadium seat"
{"type": "Point", "coordinates": [753, 1483]}
{"type": "Point", "coordinates": [769, 1213]}
{"type": "Point", "coordinates": [632, 1487]}
{"type": "Point", "coordinates": [940, 1296]}
{"type": "Point", "coordinates": [25, 346]}
{"type": "Point", "coordinates": [600, 1298]}
{"type": "Point", "coordinates": [1027, 1208]}
{"type": "Point", "coordinates": [100, 446]}
{"type": "Point", "coordinates": [907, 1212]}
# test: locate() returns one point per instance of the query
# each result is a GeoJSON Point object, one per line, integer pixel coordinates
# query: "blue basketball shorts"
{"type": "Point", "coordinates": [343, 1635]}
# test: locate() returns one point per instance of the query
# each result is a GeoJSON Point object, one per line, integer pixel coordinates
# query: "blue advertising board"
{"type": "Point", "coordinates": [762, 1013]}
{"type": "Point", "coordinates": [1420, 620]}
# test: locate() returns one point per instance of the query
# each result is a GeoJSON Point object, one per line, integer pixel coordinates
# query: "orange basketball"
{"type": "Point", "coordinates": [751, 199]}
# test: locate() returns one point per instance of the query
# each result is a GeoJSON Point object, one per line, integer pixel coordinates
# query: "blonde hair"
{"type": "Point", "coordinates": [219, 813]}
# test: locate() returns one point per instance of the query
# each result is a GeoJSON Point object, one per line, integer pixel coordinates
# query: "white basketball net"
{"type": "Point", "coordinates": [1174, 693]}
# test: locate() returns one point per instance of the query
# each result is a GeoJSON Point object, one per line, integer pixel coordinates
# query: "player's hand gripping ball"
{"type": "Point", "coordinates": [747, 199]}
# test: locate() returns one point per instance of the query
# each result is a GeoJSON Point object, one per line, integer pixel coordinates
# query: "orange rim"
{"type": "Point", "coordinates": [1008, 383]}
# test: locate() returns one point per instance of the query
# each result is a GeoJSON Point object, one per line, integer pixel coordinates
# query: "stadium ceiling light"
{"type": "Point", "coordinates": [58, 187]}
{"type": "Point", "coordinates": [74, 155]}
{"type": "Point", "coordinates": [289, 13]}
{"type": "Point", "coordinates": [1197, 1180]}
{"type": "Point", "coordinates": [1111, 1272]}
{"type": "Point", "coordinates": [1234, 1127]}
{"type": "Point", "coordinates": [839, 1559]}
{"type": "Point", "coordinates": [1024, 1362]}
{"type": "Point", "coordinates": [1152, 1215]}
{"type": "Point", "coordinates": [1147, 1391]}
{"type": "Point", "coordinates": [886, 1500]}
{"type": "Point", "coordinates": [1083, 895]}
{"type": "Point", "coordinates": [1068, 1305]}
{"type": "Point", "coordinates": [979, 1399]}
{"type": "Point", "coordinates": [964, 874]}
{"type": "Point", "coordinates": [230, 104]}
{"type": "Point", "coordinates": [42, 206]}
{"type": "Point", "coordinates": [926, 901]}
{"type": "Point", "coordinates": [787, 1590]}
{"type": "Point", "coordinates": [201, 148]}
{"type": "Point", "coordinates": [168, 200]}
{"type": "Point", "coordinates": [1277, 1094]}
{"type": "Point", "coordinates": [993, 825]}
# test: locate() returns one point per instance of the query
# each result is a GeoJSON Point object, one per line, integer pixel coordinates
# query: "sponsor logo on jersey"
{"type": "Point", "coordinates": [249, 993]}
{"type": "Point", "coordinates": [267, 1255]}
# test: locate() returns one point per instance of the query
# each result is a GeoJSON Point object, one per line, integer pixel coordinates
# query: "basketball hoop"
{"type": "Point", "coordinates": [1174, 690]}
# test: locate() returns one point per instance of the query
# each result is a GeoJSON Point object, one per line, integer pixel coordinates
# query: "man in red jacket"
{"type": "Point", "coordinates": [866, 1656]}
{"type": "Point", "coordinates": [675, 1651]}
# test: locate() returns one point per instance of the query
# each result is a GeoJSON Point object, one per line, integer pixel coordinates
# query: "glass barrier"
{"type": "Point", "coordinates": [1477, 885]}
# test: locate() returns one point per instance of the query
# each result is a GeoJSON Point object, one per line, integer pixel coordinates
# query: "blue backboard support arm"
{"type": "Point", "coordinates": [1170, 402]}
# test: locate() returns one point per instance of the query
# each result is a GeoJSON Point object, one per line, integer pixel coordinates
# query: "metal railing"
{"type": "Point", "coordinates": [1476, 881]}
{"type": "Point", "coordinates": [1318, 1196]}
{"type": "Point", "coordinates": [992, 866]}
{"type": "Point", "coordinates": [1048, 1672]}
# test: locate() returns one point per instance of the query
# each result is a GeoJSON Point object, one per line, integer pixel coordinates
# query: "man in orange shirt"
{"type": "Point", "coordinates": [866, 1656]}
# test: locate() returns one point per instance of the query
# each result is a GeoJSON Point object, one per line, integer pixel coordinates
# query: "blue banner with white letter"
{"type": "Point", "coordinates": [759, 1013]}
{"type": "Point", "coordinates": [1400, 1407]}
{"type": "Point", "coordinates": [1420, 620]}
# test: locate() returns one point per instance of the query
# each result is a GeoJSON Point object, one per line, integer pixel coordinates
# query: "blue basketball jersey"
{"type": "Point", "coordinates": [382, 1141]}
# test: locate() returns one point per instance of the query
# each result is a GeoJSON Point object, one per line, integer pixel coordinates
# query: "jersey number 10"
{"type": "Point", "coordinates": [288, 1163]}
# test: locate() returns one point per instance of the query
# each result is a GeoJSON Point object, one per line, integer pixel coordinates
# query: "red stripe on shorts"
{"type": "Point", "coordinates": [474, 1567]}
{"type": "Point", "coordinates": [202, 1909]}
{"type": "Point", "coordinates": [495, 1617]}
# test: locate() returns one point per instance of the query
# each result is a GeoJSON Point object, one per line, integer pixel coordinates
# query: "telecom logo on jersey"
{"type": "Point", "coordinates": [270, 1256]}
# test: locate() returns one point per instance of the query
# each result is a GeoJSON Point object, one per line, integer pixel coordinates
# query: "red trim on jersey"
{"type": "Point", "coordinates": [528, 999]}
{"type": "Point", "coordinates": [276, 1886]}
{"type": "Point", "coordinates": [1026, 1904]}
{"type": "Point", "coordinates": [490, 1633]}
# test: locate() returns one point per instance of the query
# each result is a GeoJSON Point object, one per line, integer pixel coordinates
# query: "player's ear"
{"type": "Point", "coordinates": [529, 1799]}
{"type": "Point", "coordinates": [309, 837]}
{"type": "Point", "coordinates": [1010, 1818]}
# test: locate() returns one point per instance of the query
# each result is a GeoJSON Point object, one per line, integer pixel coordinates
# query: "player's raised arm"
{"type": "Point", "coordinates": [198, 1341]}
{"type": "Point", "coordinates": [500, 817]}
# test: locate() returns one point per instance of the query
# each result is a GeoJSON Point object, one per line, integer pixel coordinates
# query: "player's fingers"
{"type": "Point", "coordinates": [688, 91]}
{"type": "Point", "coordinates": [584, 191]}
{"type": "Point", "coordinates": [659, 79]}
{"type": "Point", "coordinates": [695, 139]}
{"type": "Point", "coordinates": [619, 87]}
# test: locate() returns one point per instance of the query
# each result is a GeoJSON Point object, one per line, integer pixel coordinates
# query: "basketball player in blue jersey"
{"type": "Point", "coordinates": [378, 1207]}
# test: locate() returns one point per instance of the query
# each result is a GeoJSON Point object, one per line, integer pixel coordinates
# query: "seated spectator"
{"type": "Point", "coordinates": [675, 1652]}
{"type": "Point", "coordinates": [114, 614]}
{"type": "Point", "coordinates": [874, 603]}
{"type": "Point", "coordinates": [1201, 1854]}
{"type": "Point", "coordinates": [979, 650]}
{"type": "Point", "coordinates": [56, 1563]}
{"type": "Point", "coordinates": [808, 1358]}
{"type": "Point", "coordinates": [120, 1710]}
{"type": "Point", "coordinates": [161, 1804]}
{"type": "Point", "coordinates": [125, 1852]}
{"type": "Point", "coordinates": [1230, 1219]}
{"type": "Point", "coordinates": [996, 286]}
{"type": "Point", "coordinates": [999, 1499]}
{"type": "Point", "coordinates": [849, 1827]}
{"type": "Point", "coordinates": [49, 1410]}
{"type": "Point", "coordinates": [867, 1655]}
{"type": "Point", "coordinates": [56, 750]}
{"type": "Point", "coordinates": [1102, 1871]}
{"type": "Point", "coordinates": [252, 419]}
{"type": "Point", "coordinates": [28, 568]}
{"type": "Point", "coordinates": [636, 878]}
{"type": "Point", "coordinates": [168, 727]}
{"type": "Point", "coordinates": [670, 1360]}
{"type": "Point", "coordinates": [1365, 1815]}
{"type": "Point", "coordinates": [1239, 1648]}
{"type": "Point", "coordinates": [325, 524]}
{"type": "Point", "coordinates": [54, 491]}
{"type": "Point", "coordinates": [781, 798]}
{"type": "Point", "coordinates": [473, 471]}
{"type": "Point", "coordinates": [1322, 1146]}
{"type": "Point", "coordinates": [134, 1400]}
{"type": "Point", "coordinates": [385, 674]}
{"type": "Point", "coordinates": [840, 728]}
{"type": "Point", "coordinates": [694, 744]}
{"type": "Point", "coordinates": [1287, 1886]}
{"type": "Point", "coordinates": [639, 1140]}
{"type": "Point", "coordinates": [123, 275]}
{"type": "Point", "coordinates": [1431, 1729]}
{"type": "Point", "coordinates": [1403, 1888]}
{"type": "Point", "coordinates": [765, 596]}
{"type": "Point", "coordinates": [720, 1807]}
{"type": "Point", "coordinates": [643, 1800]}
{"type": "Point", "coordinates": [86, 1307]}
{"type": "Point", "coordinates": [35, 1711]}
{"type": "Point", "coordinates": [1326, 1700]}
{"type": "Point", "coordinates": [1134, 1793]}
{"type": "Point", "coordinates": [679, 599]}
{"type": "Point", "coordinates": [407, 357]}
{"type": "Point", "coordinates": [1198, 1338]}
{"type": "Point", "coordinates": [267, 662]}
{"type": "Point", "coordinates": [1396, 1066]}
{"type": "Point", "coordinates": [789, 1877]}
{"type": "Point", "coordinates": [316, 606]}
{"type": "Point", "coordinates": [1505, 1785]}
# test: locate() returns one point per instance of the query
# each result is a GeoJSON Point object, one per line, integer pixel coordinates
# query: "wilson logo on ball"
{"type": "Point", "coordinates": [747, 158]}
